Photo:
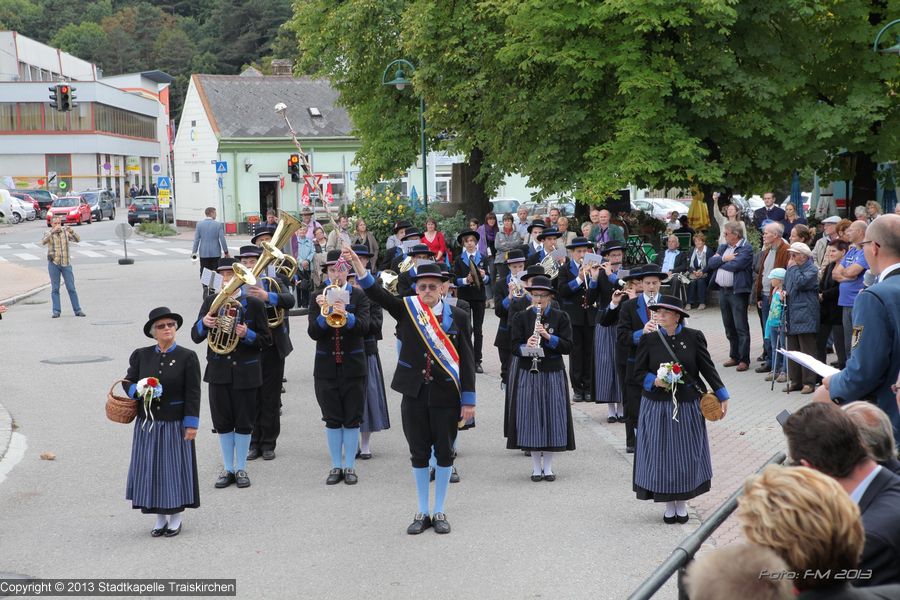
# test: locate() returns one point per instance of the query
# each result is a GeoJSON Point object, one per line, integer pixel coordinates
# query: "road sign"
{"type": "Point", "coordinates": [124, 231]}
{"type": "Point", "coordinates": [164, 198]}
{"type": "Point", "coordinates": [220, 183]}
{"type": "Point", "coordinates": [163, 183]}
{"type": "Point", "coordinates": [51, 176]}
{"type": "Point", "coordinates": [63, 185]}
{"type": "Point", "coordinates": [313, 196]}
{"type": "Point", "coordinates": [221, 166]}
{"type": "Point", "coordinates": [156, 168]}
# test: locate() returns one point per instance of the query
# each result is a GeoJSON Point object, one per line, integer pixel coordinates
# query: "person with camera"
{"type": "Point", "coordinates": [59, 264]}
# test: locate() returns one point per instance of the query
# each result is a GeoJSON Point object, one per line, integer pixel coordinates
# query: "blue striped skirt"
{"type": "Point", "coordinates": [375, 409]}
{"type": "Point", "coordinates": [162, 476]}
{"type": "Point", "coordinates": [606, 380]}
{"type": "Point", "coordinates": [671, 460]}
{"type": "Point", "coordinates": [540, 415]}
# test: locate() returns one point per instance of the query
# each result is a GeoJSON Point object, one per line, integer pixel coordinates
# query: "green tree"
{"type": "Point", "coordinates": [85, 40]}
{"type": "Point", "coordinates": [23, 16]}
{"type": "Point", "coordinates": [241, 31]}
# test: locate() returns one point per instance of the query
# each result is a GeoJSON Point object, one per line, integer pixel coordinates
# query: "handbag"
{"type": "Point", "coordinates": [120, 409]}
{"type": "Point", "coordinates": [710, 407]}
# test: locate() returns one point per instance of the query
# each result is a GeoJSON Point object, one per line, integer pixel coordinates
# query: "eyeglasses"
{"type": "Point", "coordinates": [864, 242]}
{"type": "Point", "coordinates": [167, 325]}
{"type": "Point", "coordinates": [428, 287]}
{"type": "Point", "coordinates": [540, 296]}
{"type": "Point", "coordinates": [895, 388]}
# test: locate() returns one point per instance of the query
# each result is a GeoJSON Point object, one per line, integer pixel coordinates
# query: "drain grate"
{"type": "Point", "coordinates": [75, 360]}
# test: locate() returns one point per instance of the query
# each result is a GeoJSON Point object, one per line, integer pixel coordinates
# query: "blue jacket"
{"type": "Point", "coordinates": [802, 306]}
{"type": "Point", "coordinates": [741, 266]}
{"type": "Point", "coordinates": [209, 239]}
{"type": "Point", "coordinates": [875, 360]}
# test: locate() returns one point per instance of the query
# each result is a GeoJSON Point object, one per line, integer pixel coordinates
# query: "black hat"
{"type": "Point", "coordinates": [536, 223]}
{"type": "Point", "coordinates": [429, 270]}
{"type": "Point", "coordinates": [515, 256]}
{"type": "Point", "coordinates": [248, 252]}
{"type": "Point", "coordinates": [672, 303]}
{"type": "Point", "coordinates": [361, 250]}
{"type": "Point", "coordinates": [331, 258]}
{"type": "Point", "coordinates": [419, 249]}
{"type": "Point", "coordinates": [540, 282]}
{"type": "Point", "coordinates": [161, 313]}
{"type": "Point", "coordinates": [411, 232]}
{"type": "Point", "coordinates": [643, 271]}
{"type": "Point", "coordinates": [261, 231]}
{"type": "Point", "coordinates": [610, 246]}
{"type": "Point", "coordinates": [402, 224]}
{"type": "Point", "coordinates": [578, 242]}
{"type": "Point", "coordinates": [225, 264]}
{"type": "Point", "coordinates": [532, 271]}
{"type": "Point", "coordinates": [468, 233]}
{"type": "Point", "coordinates": [549, 232]}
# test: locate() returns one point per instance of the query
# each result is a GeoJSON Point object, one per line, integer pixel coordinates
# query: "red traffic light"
{"type": "Point", "coordinates": [64, 89]}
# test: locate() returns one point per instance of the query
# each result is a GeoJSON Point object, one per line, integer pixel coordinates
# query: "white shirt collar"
{"type": "Point", "coordinates": [860, 490]}
{"type": "Point", "coordinates": [650, 299]}
{"type": "Point", "coordinates": [438, 309]}
{"type": "Point", "coordinates": [889, 270]}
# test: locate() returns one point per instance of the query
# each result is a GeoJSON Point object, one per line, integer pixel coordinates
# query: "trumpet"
{"type": "Point", "coordinates": [332, 318]}
{"type": "Point", "coordinates": [518, 290]}
{"type": "Point", "coordinates": [535, 360]}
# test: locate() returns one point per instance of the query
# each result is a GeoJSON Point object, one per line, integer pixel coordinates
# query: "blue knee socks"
{"type": "Point", "coordinates": [241, 447]}
{"type": "Point", "coordinates": [422, 482]}
{"type": "Point", "coordinates": [441, 483]}
{"type": "Point", "coordinates": [351, 439]}
{"type": "Point", "coordinates": [335, 439]}
{"type": "Point", "coordinates": [226, 441]}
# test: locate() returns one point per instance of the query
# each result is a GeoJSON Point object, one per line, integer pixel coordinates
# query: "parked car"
{"type": "Point", "coordinates": [806, 197]}
{"type": "Point", "coordinates": [11, 208]}
{"type": "Point", "coordinates": [73, 209]}
{"type": "Point", "coordinates": [29, 201]}
{"type": "Point", "coordinates": [146, 208]}
{"type": "Point", "coordinates": [27, 208]}
{"type": "Point", "coordinates": [44, 198]}
{"type": "Point", "coordinates": [660, 208]}
{"type": "Point", "coordinates": [502, 206]}
{"type": "Point", "coordinates": [102, 202]}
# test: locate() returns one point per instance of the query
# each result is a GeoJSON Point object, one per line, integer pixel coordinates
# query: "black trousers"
{"type": "Point", "coordinates": [632, 406]}
{"type": "Point", "coordinates": [826, 331]}
{"type": "Point", "coordinates": [231, 409]}
{"type": "Point", "coordinates": [425, 426]}
{"type": "Point", "coordinates": [341, 400]}
{"type": "Point", "coordinates": [211, 264]}
{"type": "Point", "coordinates": [477, 323]}
{"type": "Point", "coordinates": [581, 359]}
{"type": "Point", "coordinates": [804, 342]}
{"type": "Point", "coordinates": [504, 353]}
{"type": "Point", "coordinates": [268, 422]}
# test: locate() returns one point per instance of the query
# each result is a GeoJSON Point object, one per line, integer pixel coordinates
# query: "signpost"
{"type": "Point", "coordinates": [123, 232]}
{"type": "Point", "coordinates": [164, 195]}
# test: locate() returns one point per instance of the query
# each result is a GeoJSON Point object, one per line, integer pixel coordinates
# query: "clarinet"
{"type": "Point", "coordinates": [535, 360]}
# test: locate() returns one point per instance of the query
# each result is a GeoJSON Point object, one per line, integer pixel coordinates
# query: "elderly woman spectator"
{"type": "Point", "coordinates": [735, 571]}
{"type": "Point", "coordinates": [861, 214]}
{"type": "Point", "coordinates": [831, 321]}
{"type": "Point", "coordinates": [791, 219]}
{"type": "Point", "coordinates": [850, 274]}
{"type": "Point", "coordinates": [873, 210]}
{"type": "Point", "coordinates": [586, 228]}
{"type": "Point", "coordinates": [361, 236]}
{"type": "Point", "coordinates": [304, 251]}
{"type": "Point", "coordinates": [801, 310]}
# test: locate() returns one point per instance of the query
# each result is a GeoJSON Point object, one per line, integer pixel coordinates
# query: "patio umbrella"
{"type": "Point", "coordinates": [795, 199]}
{"type": "Point", "coordinates": [414, 199]}
{"type": "Point", "coordinates": [698, 215]}
{"type": "Point", "coordinates": [889, 196]}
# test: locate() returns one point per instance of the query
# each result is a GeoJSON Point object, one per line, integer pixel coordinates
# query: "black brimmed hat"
{"type": "Point", "coordinates": [411, 232]}
{"type": "Point", "coordinates": [515, 256]}
{"type": "Point", "coordinates": [578, 242]}
{"type": "Point", "coordinates": [402, 224]}
{"type": "Point", "coordinates": [419, 249]}
{"type": "Point", "coordinates": [248, 252]}
{"type": "Point", "coordinates": [671, 303]}
{"type": "Point", "coordinates": [161, 312]}
{"type": "Point", "coordinates": [361, 250]}
{"type": "Point", "coordinates": [331, 259]}
{"type": "Point", "coordinates": [610, 246]}
{"type": "Point", "coordinates": [464, 234]}
{"type": "Point", "coordinates": [645, 271]}
{"type": "Point", "coordinates": [429, 270]}
{"type": "Point", "coordinates": [261, 231]}
{"type": "Point", "coordinates": [536, 223]}
{"type": "Point", "coordinates": [532, 271]}
{"type": "Point", "coordinates": [549, 232]}
{"type": "Point", "coordinates": [226, 264]}
{"type": "Point", "coordinates": [540, 283]}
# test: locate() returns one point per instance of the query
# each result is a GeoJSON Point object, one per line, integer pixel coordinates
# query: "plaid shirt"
{"type": "Point", "coordinates": [58, 245]}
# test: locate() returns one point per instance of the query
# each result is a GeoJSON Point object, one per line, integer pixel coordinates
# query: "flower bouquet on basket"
{"type": "Point", "coordinates": [670, 374]}
{"type": "Point", "coordinates": [149, 389]}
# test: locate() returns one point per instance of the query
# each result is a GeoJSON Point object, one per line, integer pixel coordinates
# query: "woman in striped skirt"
{"type": "Point", "coordinates": [607, 387]}
{"type": "Point", "coordinates": [540, 415]}
{"type": "Point", "coordinates": [165, 381]}
{"type": "Point", "coordinates": [672, 462]}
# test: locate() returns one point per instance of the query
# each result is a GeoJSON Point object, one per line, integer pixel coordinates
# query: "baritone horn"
{"type": "Point", "coordinates": [223, 338]}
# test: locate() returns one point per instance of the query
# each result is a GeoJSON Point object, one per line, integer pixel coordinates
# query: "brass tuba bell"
{"type": "Point", "coordinates": [285, 264]}
{"type": "Point", "coordinates": [223, 338]}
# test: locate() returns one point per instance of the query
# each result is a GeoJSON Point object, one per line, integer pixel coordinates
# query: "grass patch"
{"type": "Point", "coordinates": [157, 229]}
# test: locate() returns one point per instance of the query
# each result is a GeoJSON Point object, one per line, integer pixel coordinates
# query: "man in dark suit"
{"type": "Point", "coordinates": [435, 374]}
{"type": "Point", "coordinates": [470, 271]}
{"type": "Point", "coordinates": [268, 422]}
{"type": "Point", "coordinates": [547, 239]}
{"type": "Point", "coordinates": [633, 321]}
{"type": "Point", "coordinates": [340, 367]}
{"type": "Point", "coordinates": [821, 436]}
{"type": "Point", "coordinates": [768, 213]}
{"type": "Point", "coordinates": [234, 378]}
{"type": "Point", "coordinates": [574, 285]}
{"type": "Point", "coordinates": [672, 262]}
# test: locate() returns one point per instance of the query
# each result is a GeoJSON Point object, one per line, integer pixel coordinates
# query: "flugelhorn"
{"type": "Point", "coordinates": [223, 338]}
{"type": "Point", "coordinates": [332, 318]}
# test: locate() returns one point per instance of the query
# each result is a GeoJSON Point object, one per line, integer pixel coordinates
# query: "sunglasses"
{"type": "Point", "coordinates": [428, 287]}
{"type": "Point", "coordinates": [168, 325]}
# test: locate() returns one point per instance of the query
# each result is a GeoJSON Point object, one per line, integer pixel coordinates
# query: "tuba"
{"type": "Point", "coordinates": [284, 264]}
{"type": "Point", "coordinates": [332, 318]}
{"type": "Point", "coordinates": [223, 338]}
{"type": "Point", "coordinates": [550, 266]}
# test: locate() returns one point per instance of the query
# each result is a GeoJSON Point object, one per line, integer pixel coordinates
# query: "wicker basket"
{"type": "Point", "coordinates": [711, 407]}
{"type": "Point", "coordinates": [120, 409]}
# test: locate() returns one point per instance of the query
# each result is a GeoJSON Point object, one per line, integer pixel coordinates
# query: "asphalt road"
{"type": "Point", "coordinates": [290, 536]}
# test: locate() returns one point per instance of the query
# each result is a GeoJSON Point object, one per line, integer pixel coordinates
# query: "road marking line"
{"type": "Point", "coordinates": [85, 244]}
{"type": "Point", "coordinates": [3, 259]}
{"type": "Point", "coordinates": [24, 256]}
{"type": "Point", "coordinates": [155, 240]}
{"type": "Point", "coordinates": [90, 253]}
{"type": "Point", "coordinates": [115, 251]}
{"type": "Point", "coordinates": [30, 245]}
{"type": "Point", "coordinates": [109, 243]}
{"type": "Point", "coordinates": [179, 250]}
{"type": "Point", "coordinates": [150, 251]}
{"type": "Point", "coordinates": [4, 246]}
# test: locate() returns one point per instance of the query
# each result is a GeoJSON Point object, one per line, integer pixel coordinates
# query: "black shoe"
{"type": "Point", "coordinates": [350, 477]}
{"type": "Point", "coordinates": [80, 314]}
{"type": "Point", "coordinates": [420, 523]}
{"type": "Point", "coordinates": [453, 453]}
{"type": "Point", "coordinates": [478, 368]}
{"type": "Point", "coordinates": [268, 455]}
{"type": "Point", "coordinates": [284, 380]}
{"type": "Point", "coordinates": [762, 358]}
{"type": "Point", "coordinates": [440, 523]}
{"type": "Point", "coordinates": [225, 479]}
{"type": "Point", "coordinates": [364, 455]}
{"type": "Point", "coordinates": [280, 412]}
{"type": "Point", "coordinates": [158, 532]}
{"type": "Point", "coordinates": [241, 479]}
{"type": "Point", "coordinates": [172, 532]}
{"type": "Point", "coordinates": [454, 476]}
{"type": "Point", "coordinates": [551, 477]}
{"type": "Point", "coordinates": [620, 419]}
{"type": "Point", "coordinates": [536, 478]}
{"type": "Point", "coordinates": [334, 476]}
{"type": "Point", "coordinates": [283, 391]}
{"type": "Point", "coordinates": [577, 396]}
{"type": "Point", "coordinates": [253, 454]}
{"type": "Point", "coordinates": [54, 316]}
{"type": "Point", "coordinates": [588, 397]}
{"type": "Point", "coordinates": [527, 452]}
{"type": "Point", "coordinates": [763, 368]}
{"type": "Point", "coordinates": [629, 449]}
{"type": "Point", "coordinates": [430, 474]}
{"type": "Point", "coordinates": [681, 518]}
{"type": "Point", "coordinates": [611, 420]}
{"type": "Point", "coordinates": [669, 520]}
{"type": "Point", "coordinates": [829, 350]}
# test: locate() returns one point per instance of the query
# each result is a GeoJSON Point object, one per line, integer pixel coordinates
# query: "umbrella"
{"type": "Point", "coordinates": [795, 198]}
{"type": "Point", "coordinates": [698, 215]}
{"type": "Point", "coordinates": [889, 196]}
{"type": "Point", "coordinates": [414, 199]}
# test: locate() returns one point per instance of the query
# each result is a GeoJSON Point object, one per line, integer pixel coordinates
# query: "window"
{"type": "Point", "coordinates": [24, 74]}
{"type": "Point", "coordinates": [338, 189]}
{"type": "Point", "coordinates": [195, 177]}
{"type": "Point", "coordinates": [7, 116]}
{"type": "Point", "coordinates": [80, 118]}
{"type": "Point", "coordinates": [30, 116]}
{"type": "Point", "coordinates": [123, 122]}
{"type": "Point", "coordinates": [55, 120]}
{"type": "Point", "coordinates": [193, 123]}
{"type": "Point", "coordinates": [442, 190]}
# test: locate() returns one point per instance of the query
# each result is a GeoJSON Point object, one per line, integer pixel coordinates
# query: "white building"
{"type": "Point", "coordinates": [117, 135]}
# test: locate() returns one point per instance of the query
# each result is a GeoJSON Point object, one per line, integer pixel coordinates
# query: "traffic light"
{"type": "Point", "coordinates": [54, 97]}
{"type": "Point", "coordinates": [294, 167]}
{"type": "Point", "coordinates": [66, 97]}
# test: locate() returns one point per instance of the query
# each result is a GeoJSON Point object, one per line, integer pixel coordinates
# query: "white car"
{"type": "Point", "coordinates": [503, 206]}
{"type": "Point", "coordinates": [13, 209]}
{"type": "Point", "coordinates": [660, 208]}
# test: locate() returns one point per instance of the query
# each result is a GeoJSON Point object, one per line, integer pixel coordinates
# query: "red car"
{"type": "Point", "coordinates": [73, 209]}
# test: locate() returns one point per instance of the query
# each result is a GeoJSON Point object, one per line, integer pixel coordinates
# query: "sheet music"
{"type": "Point", "coordinates": [810, 362]}
{"type": "Point", "coordinates": [423, 261]}
{"type": "Point", "coordinates": [526, 350]}
{"type": "Point", "coordinates": [217, 282]}
{"type": "Point", "coordinates": [590, 258]}
{"type": "Point", "coordinates": [559, 253]}
{"type": "Point", "coordinates": [408, 244]}
{"type": "Point", "coordinates": [206, 277]}
{"type": "Point", "coordinates": [335, 295]}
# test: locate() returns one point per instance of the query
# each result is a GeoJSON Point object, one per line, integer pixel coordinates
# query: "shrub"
{"type": "Point", "coordinates": [157, 229]}
{"type": "Point", "coordinates": [380, 210]}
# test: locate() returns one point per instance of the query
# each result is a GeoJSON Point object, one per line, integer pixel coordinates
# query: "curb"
{"type": "Point", "coordinates": [6, 430]}
{"type": "Point", "coordinates": [23, 296]}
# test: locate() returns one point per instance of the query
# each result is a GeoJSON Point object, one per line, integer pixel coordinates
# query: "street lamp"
{"type": "Point", "coordinates": [400, 81]}
{"type": "Point", "coordinates": [895, 49]}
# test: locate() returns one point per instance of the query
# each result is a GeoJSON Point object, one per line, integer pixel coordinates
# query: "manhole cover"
{"type": "Point", "coordinates": [75, 360]}
{"type": "Point", "coordinates": [112, 323]}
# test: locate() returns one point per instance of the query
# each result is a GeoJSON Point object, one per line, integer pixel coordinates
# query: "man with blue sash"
{"type": "Point", "coordinates": [435, 374]}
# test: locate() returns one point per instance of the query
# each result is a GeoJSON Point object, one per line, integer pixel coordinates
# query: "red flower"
{"type": "Point", "coordinates": [152, 382]}
{"type": "Point", "coordinates": [676, 368]}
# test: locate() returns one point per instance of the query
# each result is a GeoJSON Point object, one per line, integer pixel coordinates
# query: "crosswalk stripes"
{"type": "Point", "coordinates": [150, 251]}
{"type": "Point", "coordinates": [180, 250]}
{"type": "Point", "coordinates": [24, 256]}
{"type": "Point", "coordinates": [30, 245]}
{"type": "Point", "coordinates": [4, 246]}
{"type": "Point", "coordinates": [155, 241]}
{"type": "Point", "coordinates": [115, 251]}
{"type": "Point", "coordinates": [89, 253]}
{"type": "Point", "coordinates": [109, 243]}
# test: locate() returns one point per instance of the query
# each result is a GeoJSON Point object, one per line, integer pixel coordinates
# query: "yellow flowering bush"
{"type": "Point", "coordinates": [380, 210]}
